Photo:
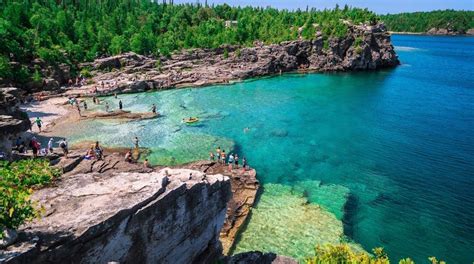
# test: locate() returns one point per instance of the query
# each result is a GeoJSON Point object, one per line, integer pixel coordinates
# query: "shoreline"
{"type": "Point", "coordinates": [428, 34]}
{"type": "Point", "coordinates": [57, 113]}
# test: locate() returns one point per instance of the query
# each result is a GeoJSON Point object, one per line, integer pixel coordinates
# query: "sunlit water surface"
{"type": "Point", "coordinates": [385, 158]}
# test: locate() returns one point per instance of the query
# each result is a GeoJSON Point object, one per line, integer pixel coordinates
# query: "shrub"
{"type": "Point", "coordinates": [158, 65]}
{"type": "Point", "coordinates": [37, 76]}
{"type": "Point", "coordinates": [5, 69]}
{"type": "Point", "coordinates": [17, 181]}
{"type": "Point", "coordinates": [238, 53]}
{"type": "Point", "coordinates": [226, 54]}
{"type": "Point", "coordinates": [358, 41]}
{"type": "Point", "coordinates": [335, 254]}
{"type": "Point", "coordinates": [86, 72]}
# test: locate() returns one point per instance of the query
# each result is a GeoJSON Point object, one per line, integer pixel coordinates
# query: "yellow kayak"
{"type": "Point", "coordinates": [190, 120]}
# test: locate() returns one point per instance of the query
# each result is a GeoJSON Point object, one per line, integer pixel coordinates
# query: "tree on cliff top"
{"type": "Point", "coordinates": [73, 31]}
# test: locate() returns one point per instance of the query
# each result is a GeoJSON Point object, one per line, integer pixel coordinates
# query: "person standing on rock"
{"type": "Point", "coordinates": [135, 142]}
{"type": "Point", "coordinates": [236, 161]}
{"type": "Point", "coordinates": [218, 153]}
{"type": "Point", "coordinates": [244, 164]}
{"type": "Point", "coordinates": [231, 161]}
{"type": "Point", "coordinates": [50, 145]}
{"type": "Point", "coordinates": [223, 156]}
{"type": "Point", "coordinates": [35, 146]}
{"type": "Point", "coordinates": [153, 109]}
{"type": "Point", "coordinates": [39, 123]}
{"type": "Point", "coordinates": [63, 146]}
{"type": "Point", "coordinates": [120, 104]}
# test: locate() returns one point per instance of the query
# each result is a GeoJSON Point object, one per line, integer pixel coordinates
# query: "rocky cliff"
{"type": "Point", "coordinates": [12, 120]}
{"type": "Point", "coordinates": [449, 31]}
{"type": "Point", "coordinates": [170, 216]}
{"type": "Point", "coordinates": [365, 47]}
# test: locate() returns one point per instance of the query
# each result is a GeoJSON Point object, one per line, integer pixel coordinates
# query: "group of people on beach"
{"type": "Point", "coordinates": [232, 160]}
{"type": "Point", "coordinates": [22, 148]}
{"type": "Point", "coordinates": [129, 156]}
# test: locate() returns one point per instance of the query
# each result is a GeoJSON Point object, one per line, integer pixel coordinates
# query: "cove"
{"type": "Point", "coordinates": [385, 158]}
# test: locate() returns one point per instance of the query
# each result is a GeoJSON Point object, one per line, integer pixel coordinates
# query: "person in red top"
{"type": "Point", "coordinates": [35, 146]}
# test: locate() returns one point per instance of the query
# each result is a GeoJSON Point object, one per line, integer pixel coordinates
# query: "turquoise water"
{"type": "Point", "coordinates": [389, 154]}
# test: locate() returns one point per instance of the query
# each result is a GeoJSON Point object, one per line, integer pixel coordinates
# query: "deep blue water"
{"type": "Point", "coordinates": [401, 140]}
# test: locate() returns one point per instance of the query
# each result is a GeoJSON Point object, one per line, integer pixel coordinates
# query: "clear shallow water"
{"type": "Point", "coordinates": [394, 148]}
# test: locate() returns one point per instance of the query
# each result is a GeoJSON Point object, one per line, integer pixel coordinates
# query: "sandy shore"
{"type": "Point", "coordinates": [50, 111]}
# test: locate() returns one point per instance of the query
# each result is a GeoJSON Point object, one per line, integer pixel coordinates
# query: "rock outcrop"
{"type": "Point", "coordinates": [12, 120]}
{"type": "Point", "coordinates": [170, 216]}
{"type": "Point", "coordinates": [449, 31]}
{"type": "Point", "coordinates": [245, 186]}
{"type": "Point", "coordinates": [365, 47]}
{"type": "Point", "coordinates": [256, 257]}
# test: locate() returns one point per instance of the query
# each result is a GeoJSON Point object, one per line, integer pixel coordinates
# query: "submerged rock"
{"type": "Point", "coordinates": [286, 223]}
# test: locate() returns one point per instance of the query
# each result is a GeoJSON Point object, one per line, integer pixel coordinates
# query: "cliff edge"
{"type": "Point", "coordinates": [170, 216]}
{"type": "Point", "coordinates": [364, 47]}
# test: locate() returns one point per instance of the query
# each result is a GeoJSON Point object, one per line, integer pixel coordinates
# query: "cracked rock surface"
{"type": "Point", "coordinates": [169, 216]}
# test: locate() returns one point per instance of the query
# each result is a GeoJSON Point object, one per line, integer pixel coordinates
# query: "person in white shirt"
{"type": "Point", "coordinates": [50, 145]}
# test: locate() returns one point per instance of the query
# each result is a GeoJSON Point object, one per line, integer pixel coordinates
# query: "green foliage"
{"type": "Point", "coordinates": [424, 21]}
{"type": "Point", "coordinates": [21, 74]}
{"type": "Point", "coordinates": [17, 181]}
{"type": "Point", "coordinates": [75, 31]}
{"type": "Point", "coordinates": [226, 54]}
{"type": "Point", "coordinates": [436, 261]}
{"type": "Point", "coordinates": [406, 261]}
{"type": "Point", "coordinates": [86, 72]}
{"type": "Point", "coordinates": [358, 41]}
{"type": "Point", "coordinates": [37, 76]}
{"type": "Point", "coordinates": [5, 69]}
{"type": "Point", "coordinates": [158, 65]}
{"type": "Point", "coordinates": [238, 52]}
{"type": "Point", "coordinates": [336, 254]}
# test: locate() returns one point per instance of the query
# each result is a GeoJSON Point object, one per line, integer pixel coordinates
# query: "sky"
{"type": "Point", "coordinates": [378, 6]}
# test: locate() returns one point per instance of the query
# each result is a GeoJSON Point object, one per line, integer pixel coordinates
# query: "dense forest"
{"type": "Point", "coordinates": [459, 21]}
{"type": "Point", "coordinates": [73, 31]}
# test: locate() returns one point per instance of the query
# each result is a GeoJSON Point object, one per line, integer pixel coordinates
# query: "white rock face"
{"type": "Point", "coordinates": [170, 216]}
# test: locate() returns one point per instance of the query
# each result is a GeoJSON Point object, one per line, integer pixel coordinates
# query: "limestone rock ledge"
{"type": "Point", "coordinates": [170, 216]}
{"type": "Point", "coordinates": [256, 257]}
